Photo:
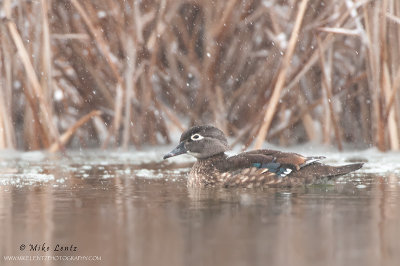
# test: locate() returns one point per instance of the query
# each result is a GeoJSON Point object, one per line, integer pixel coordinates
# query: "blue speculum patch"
{"type": "Point", "coordinates": [273, 167]}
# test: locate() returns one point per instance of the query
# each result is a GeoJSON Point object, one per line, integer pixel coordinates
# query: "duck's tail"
{"type": "Point", "coordinates": [320, 171]}
{"type": "Point", "coordinates": [334, 171]}
{"type": "Point", "coordinates": [344, 169]}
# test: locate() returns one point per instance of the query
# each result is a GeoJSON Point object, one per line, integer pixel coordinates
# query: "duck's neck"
{"type": "Point", "coordinates": [206, 171]}
{"type": "Point", "coordinates": [215, 158]}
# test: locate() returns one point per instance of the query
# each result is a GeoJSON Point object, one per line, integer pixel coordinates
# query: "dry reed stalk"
{"type": "Point", "coordinates": [391, 122]}
{"type": "Point", "coordinates": [393, 18]}
{"type": "Point", "coordinates": [7, 133]}
{"type": "Point", "coordinates": [281, 77]}
{"type": "Point", "coordinates": [220, 109]}
{"type": "Point", "coordinates": [68, 134]}
{"type": "Point", "coordinates": [241, 135]}
{"type": "Point", "coordinates": [340, 31]}
{"type": "Point", "coordinates": [281, 115]}
{"type": "Point", "coordinates": [311, 60]}
{"type": "Point", "coordinates": [117, 112]}
{"type": "Point", "coordinates": [326, 118]}
{"type": "Point", "coordinates": [153, 43]}
{"type": "Point", "coordinates": [34, 130]}
{"type": "Point", "coordinates": [207, 62]}
{"type": "Point", "coordinates": [100, 128]}
{"type": "Point", "coordinates": [308, 123]}
{"type": "Point", "coordinates": [302, 110]}
{"type": "Point", "coordinates": [382, 61]}
{"type": "Point", "coordinates": [327, 84]}
{"type": "Point", "coordinates": [98, 36]}
{"type": "Point", "coordinates": [172, 117]}
{"type": "Point", "coordinates": [46, 73]}
{"type": "Point", "coordinates": [45, 112]}
{"type": "Point", "coordinates": [71, 36]}
{"type": "Point", "coordinates": [119, 105]}
{"type": "Point", "coordinates": [3, 143]}
{"type": "Point", "coordinates": [251, 137]}
{"type": "Point", "coordinates": [373, 65]}
{"type": "Point", "coordinates": [6, 126]}
{"type": "Point", "coordinates": [396, 78]}
{"type": "Point", "coordinates": [395, 87]}
{"type": "Point", "coordinates": [35, 137]}
{"type": "Point", "coordinates": [388, 86]}
{"type": "Point", "coordinates": [130, 91]}
{"type": "Point", "coordinates": [301, 113]}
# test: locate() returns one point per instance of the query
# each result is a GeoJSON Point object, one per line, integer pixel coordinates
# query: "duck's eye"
{"type": "Point", "coordinates": [196, 137]}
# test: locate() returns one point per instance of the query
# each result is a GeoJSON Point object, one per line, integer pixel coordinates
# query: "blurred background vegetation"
{"type": "Point", "coordinates": [111, 73]}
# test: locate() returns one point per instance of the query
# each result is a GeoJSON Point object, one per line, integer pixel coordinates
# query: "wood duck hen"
{"type": "Point", "coordinates": [258, 168]}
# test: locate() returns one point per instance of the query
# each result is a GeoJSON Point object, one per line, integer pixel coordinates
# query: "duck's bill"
{"type": "Point", "coordinates": [180, 149]}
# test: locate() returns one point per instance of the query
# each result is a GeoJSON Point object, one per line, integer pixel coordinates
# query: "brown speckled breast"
{"type": "Point", "coordinates": [207, 172]}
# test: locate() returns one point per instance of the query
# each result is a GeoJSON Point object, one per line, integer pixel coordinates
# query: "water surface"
{"type": "Point", "coordinates": [131, 208]}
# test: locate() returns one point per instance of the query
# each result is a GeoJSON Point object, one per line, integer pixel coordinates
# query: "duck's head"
{"type": "Point", "coordinates": [201, 142]}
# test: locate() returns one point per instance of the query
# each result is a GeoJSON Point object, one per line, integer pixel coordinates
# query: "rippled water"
{"type": "Point", "coordinates": [131, 208]}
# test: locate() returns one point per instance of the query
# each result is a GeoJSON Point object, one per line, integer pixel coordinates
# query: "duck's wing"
{"type": "Point", "coordinates": [275, 161]}
{"type": "Point", "coordinates": [266, 167]}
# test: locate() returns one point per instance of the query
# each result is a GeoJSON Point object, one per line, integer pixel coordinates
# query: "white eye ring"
{"type": "Point", "coordinates": [196, 137]}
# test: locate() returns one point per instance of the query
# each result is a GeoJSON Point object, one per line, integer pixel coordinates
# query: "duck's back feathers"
{"type": "Point", "coordinates": [275, 161]}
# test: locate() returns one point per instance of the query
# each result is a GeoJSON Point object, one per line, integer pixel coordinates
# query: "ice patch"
{"type": "Point", "coordinates": [145, 173]}
{"type": "Point", "coordinates": [33, 156]}
{"type": "Point", "coordinates": [86, 167]}
{"type": "Point", "coordinates": [107, 176]}
{"type": "Point", "coordinates": [24, 179]}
